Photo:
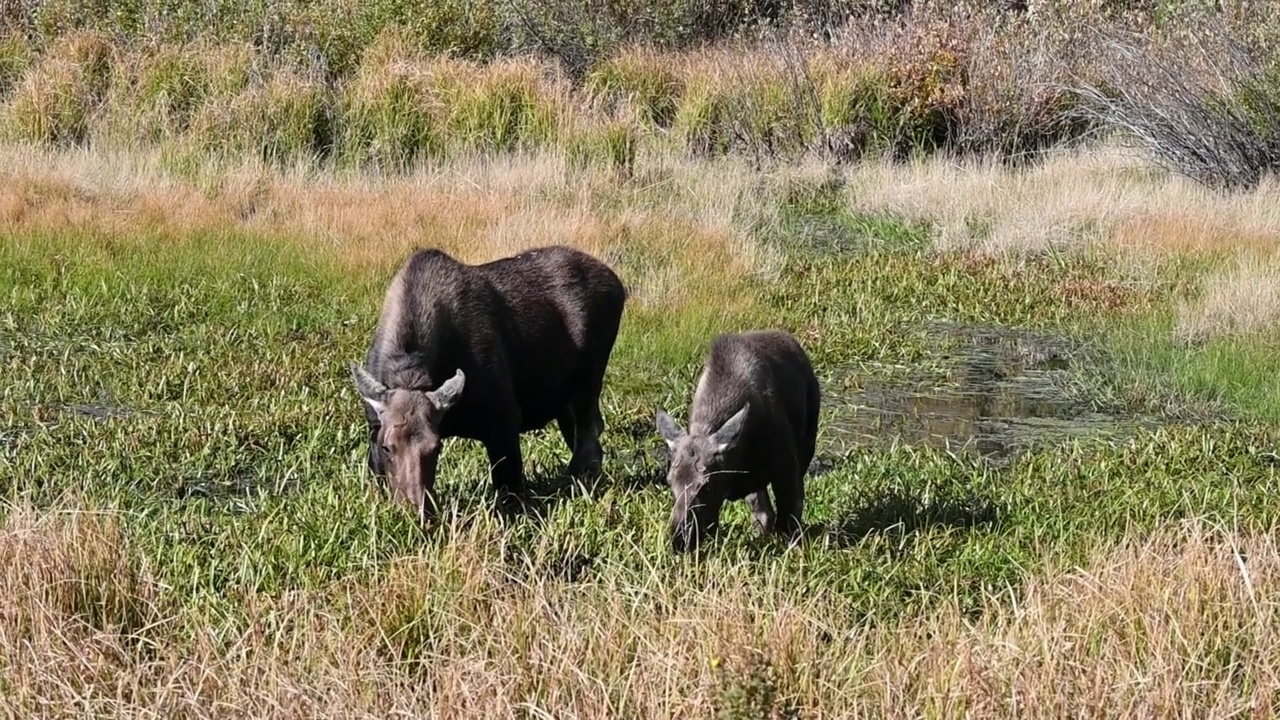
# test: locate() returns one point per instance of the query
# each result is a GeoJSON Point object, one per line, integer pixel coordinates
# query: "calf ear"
{"type": "Point", "coordinates": [668, 428]}
{"type": "Point", "coordinates": [373, 392]}
{"type": "Point", "coordinates": [448, 394]}
{"type": "Point", "coordinates": [731, 431]}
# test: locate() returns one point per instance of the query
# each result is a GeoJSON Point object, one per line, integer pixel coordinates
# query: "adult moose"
{"type": "Point", "coordinates": [488, 352]}
{"type": "Point", "coordinates": [753, 425]}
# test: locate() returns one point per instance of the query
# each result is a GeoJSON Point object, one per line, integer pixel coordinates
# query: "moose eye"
{"type": "Point", "coordinates": [386, 449]}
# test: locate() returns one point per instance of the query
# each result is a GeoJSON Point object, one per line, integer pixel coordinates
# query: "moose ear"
{"type": "Point", "coordinates": [668, 428]}
{"type": "Point", "coordinates": [731, 431]}
{"type": "Point", "coordinates": [448, 394]}
{"type": "Point", "coordinates": [372, 391]}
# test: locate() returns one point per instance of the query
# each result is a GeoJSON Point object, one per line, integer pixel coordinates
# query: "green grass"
{"type": "Point", "coordinates": [236, 468]}
{"type": "Point", "coordinates": [642, 84]}
{"type": "Point", "coordinates": [1234, 374]}
{"type": "Point", "coordinates": [240, 463]}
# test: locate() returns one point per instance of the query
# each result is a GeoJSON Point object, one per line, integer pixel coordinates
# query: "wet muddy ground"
{"type": "Point", "coordinates": [1008, 390]}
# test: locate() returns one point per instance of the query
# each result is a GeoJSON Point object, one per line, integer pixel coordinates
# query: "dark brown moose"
{"type": "Point", "coordinates": [488, 352]}
{"type": "Point", "coordinates": [753, 424]}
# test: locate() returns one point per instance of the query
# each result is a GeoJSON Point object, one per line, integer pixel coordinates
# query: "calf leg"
{"type": "Point", "coordinates": [761, 510]}
{"type": "Point", "coordinates": [790, 496]}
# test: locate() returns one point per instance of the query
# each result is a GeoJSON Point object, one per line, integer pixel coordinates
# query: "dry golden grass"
{"type": "Point", "coordinates": [478, 209]}
{"type": "Point", "coordinates": [1106, 199]}
{"type": "Point", "coordinates": [1074, 198]}
{"type": "Point", "coordinates": [1241, 299]}
{"type": "Point", "coordinates": [57, 98]}
{"type": "Point", "coordinates": [1181, 624]}
{"type": "Point", "coordinates": [481, 209]}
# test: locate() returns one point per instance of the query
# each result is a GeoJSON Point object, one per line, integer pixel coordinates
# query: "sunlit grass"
{"type": "Point", "coordinates": [182, 461]}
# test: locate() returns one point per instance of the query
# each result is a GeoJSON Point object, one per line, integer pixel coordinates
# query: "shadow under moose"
{"type": "Point", "coordinates": [905, 515]}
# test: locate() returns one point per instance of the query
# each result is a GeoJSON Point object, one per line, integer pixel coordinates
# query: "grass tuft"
{"type": "Point", "coordinates": [612, 145]}
{"type": "Point", "coordinates": [1240, 300]}
{"type": "Point", "coordinates": [69, 571]}
{"type": "Point", "coordinates": [16, 57]}
{"type": "Point", "coordinates": [57, 98]}
{"type": "Point", "coordinates": [393, 114]}
{"type": "Point", "coordinates": [170, 86]}
{"type": "Point", "coordinates": [280, 119]}
{"type": "Point", "coordinates": [639, 83]}
{"type": "Point", "coordinates": [502, 108]}
{"type": "Point", "coordinates": [754, 105]}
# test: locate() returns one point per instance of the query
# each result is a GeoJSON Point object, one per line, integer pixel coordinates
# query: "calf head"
{"type": "Point", "coordinates": [699, 476]}
{"type": "Point", "coordinates": [409, 438]}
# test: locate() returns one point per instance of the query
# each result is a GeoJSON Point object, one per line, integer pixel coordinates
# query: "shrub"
{"type": "Point", "coordinates": [582, 34]}
{"type": "Point", "coordinates": [1016, 101]}
{"type": "Point", "coordinates": [966, 82]}
{"type": "Point", "coordinates": [747, 688]}
{"type": "Point", "coordinates": [51, 20]}
{"type": "Point", "coordinates": [927, 77]}
{"type": "Point", "coordinates": [576, 34]}
{"type": "Point", "coordinates": [457, 28]}
{"type": "Point", "coordinates": [1205, 104]}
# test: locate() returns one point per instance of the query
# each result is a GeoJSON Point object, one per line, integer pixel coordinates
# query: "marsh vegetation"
{"type": "Point", "coordinates": [1046, 475]}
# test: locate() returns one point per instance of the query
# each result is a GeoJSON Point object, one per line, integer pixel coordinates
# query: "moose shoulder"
{"type": "Point", "coordinates": [488, 352]}
{"type": "Point", "coordinates": [753, 425]}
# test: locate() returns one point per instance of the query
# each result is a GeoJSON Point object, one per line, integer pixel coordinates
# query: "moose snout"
{"type": "Point", "coordinates": [688, 535]}
{"type": "Point", "coordinates": [692, 524]}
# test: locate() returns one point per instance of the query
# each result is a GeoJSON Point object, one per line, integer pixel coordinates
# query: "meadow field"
{"type": "Point", "coordinates": [1039, 283]}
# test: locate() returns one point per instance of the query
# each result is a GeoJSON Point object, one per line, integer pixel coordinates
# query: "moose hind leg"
{"type": "Point", "coordinates": [790, 497]}
{"type": "Point", "coordinates": [566, 422]}
{"type": "Point", "coordinates": [762, 510]}
{"type": "Point", "coordinates": [588, 454]}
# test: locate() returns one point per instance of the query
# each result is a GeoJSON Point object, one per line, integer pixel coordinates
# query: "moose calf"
{"type": "Point", "coordinates": [753, 423]}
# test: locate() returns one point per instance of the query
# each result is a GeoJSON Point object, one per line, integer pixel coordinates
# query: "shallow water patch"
{"type": "Point", "coordinates": [1006, 391]}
